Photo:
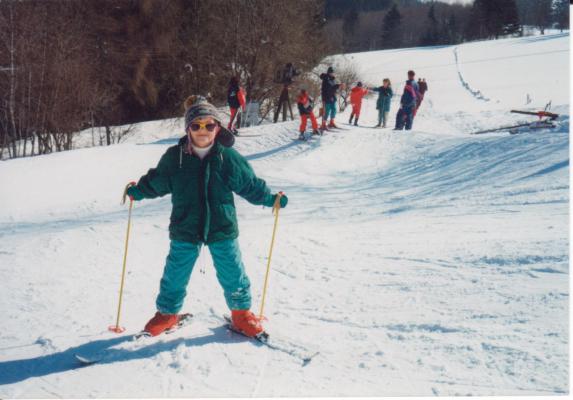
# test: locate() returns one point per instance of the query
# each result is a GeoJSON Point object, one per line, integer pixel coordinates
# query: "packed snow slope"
{"type": "Point", "coordinates": [429, 262]}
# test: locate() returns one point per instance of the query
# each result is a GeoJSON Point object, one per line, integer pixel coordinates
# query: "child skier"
{"type": "Point", "coordinates": [305, 105]}
{"type": "Point", "coordinates": [236, 100]}
{"type": "Point", "coordinates": [201, 175]}
{"type": "Point", "coordinates": [385, 94]}
{"type": "Point", "coordinates": [356, 95]}
{"type": "Point", "coordinates": [328, 92]}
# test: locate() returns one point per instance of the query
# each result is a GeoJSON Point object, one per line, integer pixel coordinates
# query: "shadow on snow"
{"type": "Point", "coordinates": [103, 350]}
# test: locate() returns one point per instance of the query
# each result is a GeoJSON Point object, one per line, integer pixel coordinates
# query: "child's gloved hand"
{"type": "Point", "coordinates": [134, 193]}
{"type": "Point", "coordinates": [271, 200]}
{"type": "Point", "coordinates": [283, 200]}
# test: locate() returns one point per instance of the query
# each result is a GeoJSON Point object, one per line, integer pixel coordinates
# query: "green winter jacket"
{"type": "Point", "coordinates": [384, 98]}
{"type": "Point", "coordinates": [202, 191]}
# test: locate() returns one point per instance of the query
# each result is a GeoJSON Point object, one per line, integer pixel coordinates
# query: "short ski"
{"type": "Point", "coordinates": [85, 360]}
{"type": "Point", "coordinates": [540, 114]}
{"type": "Point", "coordinates": [275, 343]}
{"type": "Point", "coordinates": [515, 128]}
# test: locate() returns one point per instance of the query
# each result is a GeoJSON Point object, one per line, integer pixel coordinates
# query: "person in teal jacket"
{"type": "Point", "coordinates": [201, 174]}
{"type": "Point", "coordinates": [385, 94]}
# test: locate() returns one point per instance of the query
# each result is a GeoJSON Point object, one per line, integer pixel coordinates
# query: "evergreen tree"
{"type": "Point", "coordinates": [492, 18]}
{"type": "Point", "coordinates": [477, 27]}
{"type": "Point", "coordinates": [451, 33]}
{"type": "Point", "coordinates": [510, 17]}
{"type": "Point", "coordinates": [432, 35]}
{"type": "Point", "coordinates": [542, 14]}
{"type": "Point", "coordinates": [561, 14]}
{"type": "Point", "coordinates": [525, 9]}
{"type": "Point", "coordinates": [391, 34]}
{"type": "Point", "coordinates": [349, 24]}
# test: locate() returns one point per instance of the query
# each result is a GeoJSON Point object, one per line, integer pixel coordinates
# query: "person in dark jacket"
{"type": "Point", "coordinates": [328, 92]}
{"type": "Point", "coordinates": [412, 80]}
{"type": "Point", "coordinates": [405, 115]}
{"type": "Point", "coordinates": [236, 101]}
{"type": "Point", "coordinates": [385, 95]}
{"type": "Point", "coordinates": [201, 174]}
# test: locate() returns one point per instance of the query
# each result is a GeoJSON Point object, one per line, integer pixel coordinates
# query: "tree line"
{"type": "Point", "coordinates": [367, 25]}
{"type": "Point", "coordinates": [73, 64]}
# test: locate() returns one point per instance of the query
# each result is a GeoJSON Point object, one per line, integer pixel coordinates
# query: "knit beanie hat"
{"type": "Point", "coordinates": [196, 107]}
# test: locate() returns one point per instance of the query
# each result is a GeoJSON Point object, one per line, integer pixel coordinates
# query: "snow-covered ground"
{"type": "Point", "coordinates": [431, 262]}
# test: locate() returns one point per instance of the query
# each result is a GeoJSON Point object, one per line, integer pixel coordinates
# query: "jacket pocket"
{"type": "Point", "coordinates": [227, 218]}
{"type": "Point", "coordinates": [177, 215]}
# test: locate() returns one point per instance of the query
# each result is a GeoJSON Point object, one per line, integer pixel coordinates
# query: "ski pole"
{"type": "Point", "coordinates": [276, 208]}
{"type": "Point", "coordinates": [117, 328]}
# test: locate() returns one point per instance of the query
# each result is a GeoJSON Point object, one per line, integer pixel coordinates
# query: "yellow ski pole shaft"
{"type": "Point", "coordinates": [117, 328]}
{"type": "Point", "coordinates": [276, 208]}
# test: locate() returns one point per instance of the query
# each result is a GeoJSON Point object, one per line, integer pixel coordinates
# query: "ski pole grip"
{"type": "Point", "coordinates": [130, 184]}
{"type": "Point", "coordinates": [277, 204]}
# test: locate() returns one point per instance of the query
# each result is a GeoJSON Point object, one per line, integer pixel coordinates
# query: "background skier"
{"type": "Point", "coordinates": [328, 92]}
{"type": "Point", "coordinates": [384, 101]}
{"type": "Point", "coordinates": [236, 100]}
{"type": "Point", "coordinates": [356, 95]}
{"type": "Point", "coordinates": [201, 175]}
{"type": "Point", "coordinates": [305, 105]}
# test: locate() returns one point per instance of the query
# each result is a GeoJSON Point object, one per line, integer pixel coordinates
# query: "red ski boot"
{"type": "Point", "coordinates": [160, 323]}
{"type": "Point", "coordinates": [247, 322]}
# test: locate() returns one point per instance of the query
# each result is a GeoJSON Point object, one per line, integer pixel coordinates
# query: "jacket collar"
{"type": "Point", "coordinates": [184, 149]}
{"type": "Point", "coordinates": [184, 144]}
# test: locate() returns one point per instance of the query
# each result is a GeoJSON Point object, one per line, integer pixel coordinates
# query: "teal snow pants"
{"type": "Point", "coordinates": [329, 110]}
{"type": "Point", "coordinates": [230, 273]}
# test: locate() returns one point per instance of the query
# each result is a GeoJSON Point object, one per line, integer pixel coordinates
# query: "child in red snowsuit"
{"type": "Point", "coordinates": [356, 95]}
{"type": "Point", "coordinates": [305, 105]}
{"type": "Point", "coordinates": [235, 99]}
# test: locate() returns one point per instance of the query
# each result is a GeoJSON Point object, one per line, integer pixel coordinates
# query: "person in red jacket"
{"type": "Point", "coordinates": [305, 105]}
{"type": "Point", "coordinates": [236, 100]}
{"type": "Point", "coordinates": [356, 95]}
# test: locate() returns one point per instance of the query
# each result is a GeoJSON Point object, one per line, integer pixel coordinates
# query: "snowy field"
{"type": "Point", "coordinates": [432, 262]}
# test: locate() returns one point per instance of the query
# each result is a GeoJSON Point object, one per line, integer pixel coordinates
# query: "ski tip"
{"type": "Point", "coordinates": [141, 335]}
{"type": "Point", "coordinates": [262, 337]}
{"type": "Point", "coordinates": [306, 360]}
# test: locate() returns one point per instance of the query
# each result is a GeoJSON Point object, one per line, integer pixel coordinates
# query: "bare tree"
{"type": "Point", "coordinates": [69, 65]}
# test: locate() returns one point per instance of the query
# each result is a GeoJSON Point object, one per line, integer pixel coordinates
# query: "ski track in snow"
{"type": "Point", "coordinates": [476, 93]}
{"type": "Point", "coordinates": [431, 262]}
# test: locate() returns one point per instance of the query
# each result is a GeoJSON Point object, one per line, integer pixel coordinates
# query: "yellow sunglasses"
{"type": "Point", "coordinates": [210, 126]}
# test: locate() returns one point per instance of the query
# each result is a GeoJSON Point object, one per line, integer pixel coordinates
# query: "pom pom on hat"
{"type": "Point", "coordinates": [189, 101]}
